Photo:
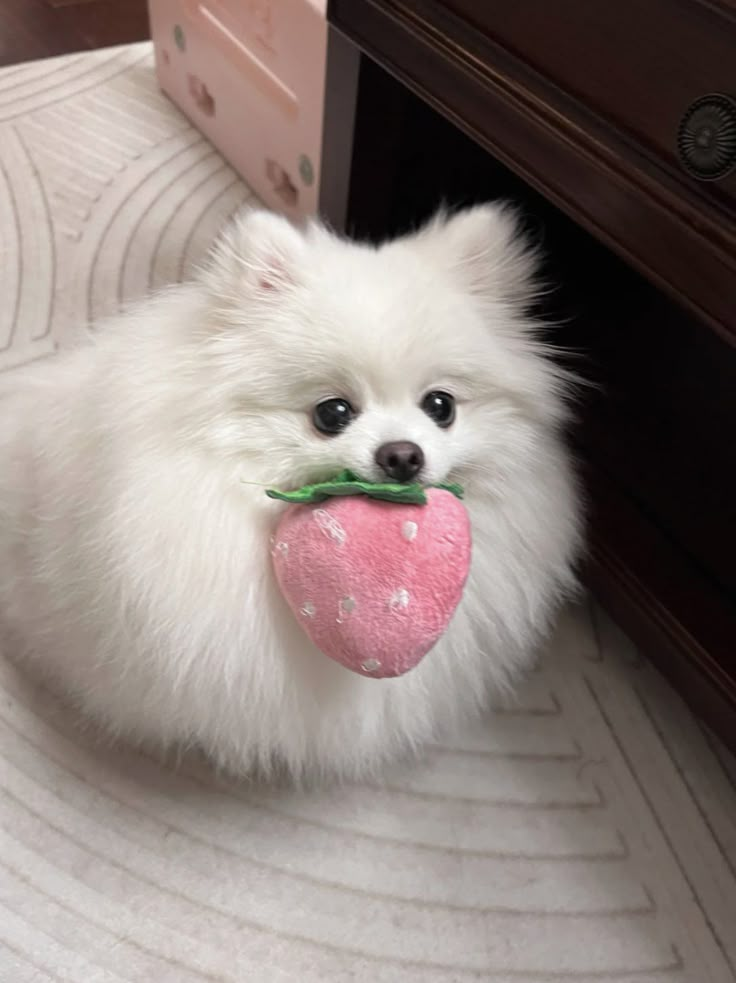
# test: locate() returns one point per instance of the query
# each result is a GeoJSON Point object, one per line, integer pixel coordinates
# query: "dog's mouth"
{"type": "Point", "coordinates": [347, 484]}
{"type": "Point", "coordinates": [368, 473]}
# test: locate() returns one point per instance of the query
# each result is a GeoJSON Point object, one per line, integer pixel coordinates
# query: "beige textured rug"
{"type": "Point", "coordinates": [588, 833]}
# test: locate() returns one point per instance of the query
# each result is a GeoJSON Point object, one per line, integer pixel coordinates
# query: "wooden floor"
{"type": "Point", "coordinates": [41, 28]}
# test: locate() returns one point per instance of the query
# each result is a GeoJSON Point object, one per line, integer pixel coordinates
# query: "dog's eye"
{"type": "Point", "coordinates": [332, 415]}
{"type": "Point", "coordinates": [440, 407]}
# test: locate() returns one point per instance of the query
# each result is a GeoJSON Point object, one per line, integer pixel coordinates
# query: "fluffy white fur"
{"type": "Point", "coordinates": [134, 528]}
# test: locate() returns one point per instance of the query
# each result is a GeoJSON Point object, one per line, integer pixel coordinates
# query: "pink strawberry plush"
{"type": "Point", "coordinates": [373, 582]}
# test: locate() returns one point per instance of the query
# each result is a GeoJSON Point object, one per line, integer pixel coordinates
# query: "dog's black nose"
{"type": "Point", "coordinates": [401, 459]}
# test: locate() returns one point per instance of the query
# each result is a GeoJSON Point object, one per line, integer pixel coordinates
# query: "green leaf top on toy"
{"type": "Point", "coordinates": [346, 483]}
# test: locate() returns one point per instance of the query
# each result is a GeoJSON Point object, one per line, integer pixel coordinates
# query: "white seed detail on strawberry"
{"type": "Point", "coordinates": [399, 599]}
{"type": "Point", "coordinates": [382, 579]}
{"type": "Point", "coordinates": [329, 525]}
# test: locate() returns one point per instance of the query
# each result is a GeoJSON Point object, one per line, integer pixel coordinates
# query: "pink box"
{"type": "Point", "coordinates": [250, 74]}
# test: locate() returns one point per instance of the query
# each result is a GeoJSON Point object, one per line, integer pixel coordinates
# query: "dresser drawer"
{"type": "Point", "coordinates": [585, 101]}
{"type": "Point", "coordinates": [654, 71]}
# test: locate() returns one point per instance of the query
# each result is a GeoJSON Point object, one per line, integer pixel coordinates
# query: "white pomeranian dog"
{"type": "Point", "coordinates": [135, 568]}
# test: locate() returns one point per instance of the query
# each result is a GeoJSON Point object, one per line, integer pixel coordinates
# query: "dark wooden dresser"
{"type": "Point", "coordinates": [614, 126]}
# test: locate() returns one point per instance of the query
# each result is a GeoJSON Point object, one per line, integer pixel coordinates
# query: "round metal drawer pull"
{"type": "Point", "coordinates": [706, 140]}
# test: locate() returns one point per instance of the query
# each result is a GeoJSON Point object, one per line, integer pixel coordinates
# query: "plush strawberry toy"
{"type": "Point", "coordinates": [373, 572]}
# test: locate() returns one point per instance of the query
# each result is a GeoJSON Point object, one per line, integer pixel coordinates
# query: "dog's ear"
{"type": "Point", "coordinates": [259, 252]}
{"type": "Point", "coordinates": [485, 248]}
